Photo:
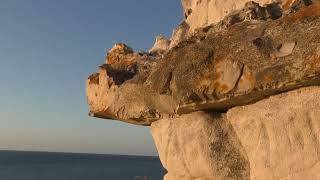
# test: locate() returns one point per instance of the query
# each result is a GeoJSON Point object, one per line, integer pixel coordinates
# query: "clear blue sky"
{"type": "Point", "coordinates": [48, 48]}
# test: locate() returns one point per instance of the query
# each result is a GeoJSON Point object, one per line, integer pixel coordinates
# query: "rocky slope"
{"type": "Point", "coordinates": [222, 95]}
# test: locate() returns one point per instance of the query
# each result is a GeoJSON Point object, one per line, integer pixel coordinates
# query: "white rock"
{"type": "Point", "coordinates": [207, 12]}
{"type": "Point", "coordinates": [281, 135]}
{"type": "Point", "coordinates": [285, 50]}
{"type": "Point", "coordinates": [161, 45]}
{"type": "Point", "coordinates": [273, 139]}
{"type": "Point", "coordinates": [188, 5]}
{"type": "Point", "coordinates": [199, 15]}
{"type": "Point", "coordinates": [199, 146]}
{"type": "Point", "coordinates": [180, 34]}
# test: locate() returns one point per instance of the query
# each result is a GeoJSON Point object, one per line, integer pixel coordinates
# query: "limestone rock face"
{"type": "Point", "coordinates": [274, 139]}
{"type": "Point", "coordinates": [180, 34]}
{"type": "Point", "coordinates": [281, 135]}
{"type": "Point", "coordinates": [199, 146]}
{"type": "Point", "coordinates": [117, 52]}
{"type": "Point", "coordinates": [161, 45]}
{"type": "Point", "coordinates": [108, 97]}
{"type": "Point", "coordinates": [201, 13]}
{"type": "Point", "coordinates": [233, 95]}
{"type": "Point", "coordinates": [213, 70]}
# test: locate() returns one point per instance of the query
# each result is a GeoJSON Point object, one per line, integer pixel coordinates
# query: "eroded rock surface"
{"type": "Point", "coordinates": [274, 139]}
{"type": "Point", "coordinates": [160, 46]}
{"type": "Point", "coordinates": [281, 135]}
{"type": "Point", "coordinates": [202, 13]}
{"type": "Point", "coordinates": [233, 95]}
{"type": "Point", "coordinates": [200, 146]}
{"type": "Point", "coordinates": [180, 34]}
{"type": "Point", "coordinates": [213, 70]}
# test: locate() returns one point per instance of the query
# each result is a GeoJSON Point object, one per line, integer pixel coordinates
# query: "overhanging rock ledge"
{"type": "Point", "coordinates": [234, 94]}
{"type": "Point", "coordinates": [219, 67]}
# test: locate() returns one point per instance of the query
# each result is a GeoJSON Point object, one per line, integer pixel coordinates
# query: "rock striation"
{"type": "Point", "coordinates": [233, 94]}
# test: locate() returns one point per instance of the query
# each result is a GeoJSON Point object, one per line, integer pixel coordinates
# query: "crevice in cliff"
{"type": "Point", "coordinates": [119, 76]}
{"type": "Point", "coordinates": [166, 88]}
{"type": "Point", "coordinates": [236, 86]}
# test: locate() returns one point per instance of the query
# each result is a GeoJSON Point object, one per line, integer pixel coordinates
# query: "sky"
{"type": "Point", "coordinates": [48, 49]}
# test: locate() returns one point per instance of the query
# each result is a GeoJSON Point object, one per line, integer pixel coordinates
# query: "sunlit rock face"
{"type": "Point", "coordinates": [214, 70]}
{"type": "Point", "coordinates": [281, 135]}
{"type": "Point", "coordinates": [276, 138]}
{"type": "Point", "coordinates": [233, 94]}
{"type": "Point", "coordinates": [198, 145]}
{"type": "Point", "coordinates": [201, 13]}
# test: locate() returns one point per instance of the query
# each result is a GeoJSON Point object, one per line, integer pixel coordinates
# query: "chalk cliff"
{"type": "Point", "coordinates": [233, 94]}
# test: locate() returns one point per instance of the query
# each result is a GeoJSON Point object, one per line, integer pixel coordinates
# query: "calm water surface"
{"type": "Point", "coordinates": [16, 165]}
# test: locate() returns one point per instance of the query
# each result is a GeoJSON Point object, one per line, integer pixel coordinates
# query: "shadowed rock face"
{"type": "Point", "coordinates": [216, 69]}
{"type": "Point", "coordinates": [198, 145]}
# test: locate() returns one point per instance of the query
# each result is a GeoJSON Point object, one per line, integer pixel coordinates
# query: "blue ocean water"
{"type": "Point", "coordinates": [15, 165]}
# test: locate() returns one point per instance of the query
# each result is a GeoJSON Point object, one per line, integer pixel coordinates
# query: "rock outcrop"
{"type": "Point", "coordinates": [276, 138]}
{"type": "Point", "coordinates": [234, 94]}
{"type": "Point", "coordinates": [214, 70]}
{"type": "Point", "coordinates": [161, 45]}
{"type": "Point", "coordinates": [281, 135]}
{"type": "Point", "coordinates": [201, 13]}
{"type": "Point", "coordinates": [197, 145]}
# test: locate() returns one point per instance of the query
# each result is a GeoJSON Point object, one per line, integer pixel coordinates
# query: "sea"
{"type": "Point", "coordinates": [18, 165]}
